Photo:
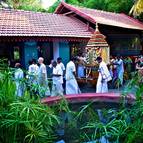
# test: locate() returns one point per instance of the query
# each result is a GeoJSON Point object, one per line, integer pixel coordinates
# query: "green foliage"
{"type": "Point", "coordinates": [122, 6]}
{"type": "Point", "coordinates": [53, 7]}
{"type": "Point", "coordinates": [30, 5]}
{"type": "Point", "coordinates": [7, 86]}
{"type": "Point", "coordinates": [75, 2]}
{"type": "Point", "coordinates": [113, 129]}
{"type": "Point", "coordinates": [106, 5]}
{"type": "Point", "coordinates": [96, 4]}
{"type": "Point", "coordinates": [23, 119]}
{"type": "Point", "coordinates": [110, 5]}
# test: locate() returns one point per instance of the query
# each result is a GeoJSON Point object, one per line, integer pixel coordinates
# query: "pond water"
{"type": "Point", "coordinates": [104, 112]}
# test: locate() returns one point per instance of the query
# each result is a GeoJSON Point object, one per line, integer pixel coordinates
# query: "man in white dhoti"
{"type": "Point", "coordinates": [33, 77]}
{"type": "Point", "coordinates": [19, 76]}
{"type": "Point", "coordinates": [42, 79]}
{"type": "Point", "coordinates": [71, 83]}
{"type": "Point", "coordinates": [57, 88]}
{"type": "Point", "coordinates": [59, 62]}
{"type": "Point", "coordinates": [33, 72]}
{"type": "Point", "coordinates": [103, 78]}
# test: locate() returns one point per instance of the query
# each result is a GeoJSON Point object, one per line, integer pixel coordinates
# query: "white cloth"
{"type": "Point", "coordinates": [71, 83]}
{"type": "Point", "coordinates": [69, 70]}
{"type": "Point", "coordinates": [62, 66]}
{"type": "Point", "coordinates": [50, 66]}
{"type": "Point", "coordinates": [19, 75]}
{"type": "Point", "coordinates": [103, 78]}
{"type": "Point", "coordinates": [57, 71]}
{"type": "Point", "coordinates": [63, 69]}
{"type": "Point", "coordinates": [57, 88]}
{"type": "Point", "coordinates": [72, 87]}
{"type": "Point", "coordinates": [120, 69]}
{"type": "Point", "coordinates": [33, 73]}
{"type": "Point", "coordinates": [33, 69]}
{"type": "Point", "coordinates": [42, 80]}
{"type": "Point", "coordinates": [42, 74]}
{"type": "Point", "coordinates": [42, 71]}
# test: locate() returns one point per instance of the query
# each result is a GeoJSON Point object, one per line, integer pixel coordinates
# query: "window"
{"type": "Point", "coordinates": [16, 53]}
{"type": "Point", "coordinates": [125, 45]}
{"type": "Point", "coordinates": [77, 48]}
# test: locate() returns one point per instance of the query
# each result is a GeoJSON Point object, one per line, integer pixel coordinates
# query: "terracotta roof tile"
{"type": "Point", "coordinates": [28, 23]}
{"type": "Point", "coordinates": [103, 17]}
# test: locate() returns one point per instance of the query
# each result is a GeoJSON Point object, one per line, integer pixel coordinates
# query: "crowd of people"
{"type": "Point", "coordinates": [64, 79]}
{"type": "Point", "coordinates": [122, 68]}
{"type": "Point", "coordinates": [37, 80]}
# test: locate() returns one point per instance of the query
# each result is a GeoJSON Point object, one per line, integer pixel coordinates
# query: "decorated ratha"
{"type": "Point", "coordinates": [97, 46]}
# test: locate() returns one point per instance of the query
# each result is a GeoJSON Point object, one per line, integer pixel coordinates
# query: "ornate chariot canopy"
{"type": "Point", "coordinates": [97, 46]}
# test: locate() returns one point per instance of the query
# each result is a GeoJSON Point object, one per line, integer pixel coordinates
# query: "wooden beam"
{"type": "Point", "coordinates": [70, 12]}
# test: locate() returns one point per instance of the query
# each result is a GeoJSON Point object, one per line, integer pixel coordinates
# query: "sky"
{"type": "Point", "coordinates": [47, 3]}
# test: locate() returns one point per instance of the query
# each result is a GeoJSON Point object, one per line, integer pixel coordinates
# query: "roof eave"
{"type": "Point", "coordinates": [59, 7]}
{"type": "Point", "coordinates": [133, 28]}
{"type": "Point", "coordinates": [48, 36]}
{"type": "Point", "coordinates": [89, 18]}
{"type": "Point", "coordinates": [63, 4]}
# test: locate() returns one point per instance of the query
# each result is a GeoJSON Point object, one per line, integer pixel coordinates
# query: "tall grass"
{"type": "Point", "coordinates": [23, 119]}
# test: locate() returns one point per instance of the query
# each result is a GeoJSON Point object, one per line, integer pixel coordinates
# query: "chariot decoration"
{"type": "Point", "coordinates": [97, 46]}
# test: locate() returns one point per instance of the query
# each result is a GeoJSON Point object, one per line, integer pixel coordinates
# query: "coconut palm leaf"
{"type": "Point", "coordinates": [137, 8]}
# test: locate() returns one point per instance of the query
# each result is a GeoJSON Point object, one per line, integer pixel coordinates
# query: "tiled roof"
{"type": "Point", "coordinates": [28, 23]}
{"type": "Point", "coordinates": [103, 17]}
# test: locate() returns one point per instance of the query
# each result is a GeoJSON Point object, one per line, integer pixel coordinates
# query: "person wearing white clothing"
{"type": "Point", "coordinates": [59, 62]}
{"type": "Point", "coordinates": [50, 66]}
{"type": "Point", "coordinates": [57, 88]}
{"type": "Point", "coordinates": [103, 78]}
{"type": "Point", "coordinates": [71, 83]}
{"type": "Point", "coordinates": [19, 76]}
{"type": "Point", "coordinates": [42, 79]}
{"type": "Point", "coordinates": [33, 72]}
{"type": "Point", "coordinates": [33, 78]}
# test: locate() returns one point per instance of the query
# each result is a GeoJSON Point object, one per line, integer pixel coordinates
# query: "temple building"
{"type": "Point", "coordinates": [25, 34]}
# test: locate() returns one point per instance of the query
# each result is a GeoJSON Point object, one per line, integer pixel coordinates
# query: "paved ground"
{"type": "Point", "coordinates": [88, 88]}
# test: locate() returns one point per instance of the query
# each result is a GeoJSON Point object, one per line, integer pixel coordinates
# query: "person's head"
{"type": "Point", "coordinates": [40, 60]}
{"type": "Point", "coordinates": [118, 57]}
{"type": "Point", "coordinates": [59, 60]}
{"type": "Point", "coordinates": [54, 64]}
{"type": "Point", "coordinates": [33, 61]}
{"type": "Point", "coordinates": [99, 59]}
{"type": "Point", "coordinates": [17, 65]}
{"type": "Point", "coordinates": [73, 59]}
{"type": "Point", "coordinates": [51, 61]}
